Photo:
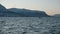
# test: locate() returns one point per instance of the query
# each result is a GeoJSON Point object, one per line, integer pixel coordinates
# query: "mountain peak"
{"type": "Point", "coordinates": [0, 5]}
{"type": "Point", "coordinates": [2, 8]}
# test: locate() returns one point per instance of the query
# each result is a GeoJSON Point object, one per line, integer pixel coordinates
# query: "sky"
{"type": "Point", "coordinates": [51, 7]}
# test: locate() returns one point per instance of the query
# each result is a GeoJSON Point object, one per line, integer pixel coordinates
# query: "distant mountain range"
{"type": "Point", "coordinates": [15, 12]}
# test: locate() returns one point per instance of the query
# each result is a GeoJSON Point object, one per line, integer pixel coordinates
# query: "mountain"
{"type": "Point", "coordinates": [6, 13]}
{"type": "Point", "coordinates": [15, 12]}
{"type": "Point", "coordinates": [2, 10]}
{"type": "Point", "coordinates": [29, 13]}
{"type": "Point", "coordinates": [56, 15]}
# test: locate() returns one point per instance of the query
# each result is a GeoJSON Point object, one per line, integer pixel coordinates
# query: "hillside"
{"type": "Point", "coordinates": [15, 12]}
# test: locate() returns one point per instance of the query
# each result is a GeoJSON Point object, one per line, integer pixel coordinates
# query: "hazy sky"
{"type": "Point", "coordinates": [49, 6]}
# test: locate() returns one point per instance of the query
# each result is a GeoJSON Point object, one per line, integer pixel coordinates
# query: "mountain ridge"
{"type": "Point", "coordinates": [13, 12]}
{"type": "Point", "coordinates": [33, 13]}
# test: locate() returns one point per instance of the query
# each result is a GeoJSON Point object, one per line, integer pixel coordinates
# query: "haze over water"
{"type": "Point", "coordinates": [51, 7]}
